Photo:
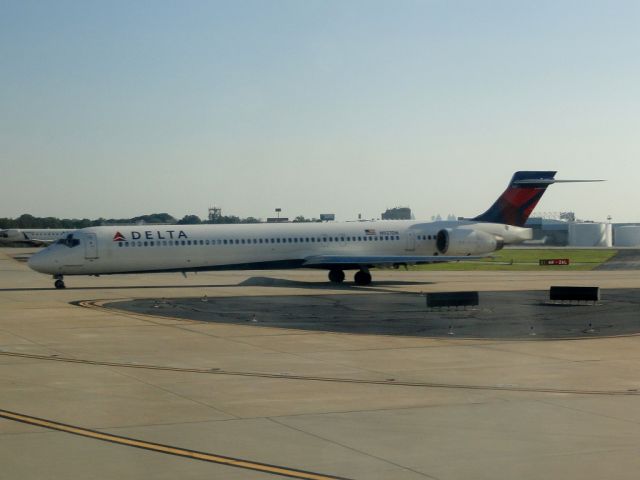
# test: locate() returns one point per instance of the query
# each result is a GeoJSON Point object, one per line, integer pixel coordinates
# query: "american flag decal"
{"type": "Point", "coordinates": [370, 231]}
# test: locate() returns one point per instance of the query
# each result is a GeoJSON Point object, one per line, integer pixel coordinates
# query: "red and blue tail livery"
{"type": "Point", "coordinates": [522, 195]}
{"type": "Point", "coordinates": [517, 202]}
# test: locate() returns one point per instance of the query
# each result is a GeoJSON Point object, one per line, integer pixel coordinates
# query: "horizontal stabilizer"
{"type": "Point", "coordinates": [550, 181]}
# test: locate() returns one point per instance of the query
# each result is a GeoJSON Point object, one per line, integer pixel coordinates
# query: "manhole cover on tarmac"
{"type": "Point", "coordinates": [508, 315]}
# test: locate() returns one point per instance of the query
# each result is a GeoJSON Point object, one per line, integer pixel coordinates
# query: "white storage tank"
{"type": "Point", "coordinates": [628, 236]}
{"type": "Point", "coordinates": [590, 234]}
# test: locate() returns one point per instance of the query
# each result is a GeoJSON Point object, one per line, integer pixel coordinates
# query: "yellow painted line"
{"type": "Point", "coordinates": [310, 378]}
{"type": "Point", "coordinates": [167, 449]}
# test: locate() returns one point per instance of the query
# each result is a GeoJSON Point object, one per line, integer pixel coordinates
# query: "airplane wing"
{"type": "Point", "coordinates": [359, 261]}
{"type": "Point", "coordinates": [39, 243]}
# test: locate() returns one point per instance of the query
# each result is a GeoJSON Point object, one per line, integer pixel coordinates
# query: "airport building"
{"type": "Point", "coordinates": [397, 213]}
{"type": "Point", "coordinates": [554, 232]}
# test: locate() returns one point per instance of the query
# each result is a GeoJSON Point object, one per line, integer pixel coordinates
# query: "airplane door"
{"type": "Point", "coordinates": [90, 246]}
{"type": "Point", "coordinates": [411, 242]}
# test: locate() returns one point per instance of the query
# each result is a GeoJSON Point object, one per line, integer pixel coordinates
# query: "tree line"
{"type": "Point", "coordinates": [29, 221]}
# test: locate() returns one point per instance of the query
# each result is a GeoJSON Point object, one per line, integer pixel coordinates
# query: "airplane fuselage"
{"type": "Point", "coordinates": [133, 249]}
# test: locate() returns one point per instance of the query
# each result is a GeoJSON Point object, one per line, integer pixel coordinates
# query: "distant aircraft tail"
{"type": "Point", "coordinates": [522, 195]}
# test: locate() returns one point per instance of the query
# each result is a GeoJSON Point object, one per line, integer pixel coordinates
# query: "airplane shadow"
{"type": "Point", "coordinates": [376, 286]}
{"type": "Point", "coordinates": [250, 282]}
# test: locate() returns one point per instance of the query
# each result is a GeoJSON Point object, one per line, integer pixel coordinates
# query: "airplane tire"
{"type": "Point", "coordinates": [362, 278]}
{"type": "Point", "coordinates": [336, 276]}
{"type": "Point", "coordinates": [59, 284]}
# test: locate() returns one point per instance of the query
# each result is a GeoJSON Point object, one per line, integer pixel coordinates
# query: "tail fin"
{"type": "Point", "coordinates": [517, 202]}
{"type": "Point", "coordinates": [522, 195]}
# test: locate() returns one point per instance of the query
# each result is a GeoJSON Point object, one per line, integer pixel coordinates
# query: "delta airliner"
{"type": "Point", "coordinates": [334, 246]}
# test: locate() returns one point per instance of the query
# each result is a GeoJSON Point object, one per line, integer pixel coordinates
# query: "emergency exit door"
{"type": "Point", "coordinates": [411, 242]}
{"type": "Point", "coordinates": [91, 246]}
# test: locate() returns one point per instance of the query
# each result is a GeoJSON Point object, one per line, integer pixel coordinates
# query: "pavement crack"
{"type": "Point", "coordinates": [362, 452]}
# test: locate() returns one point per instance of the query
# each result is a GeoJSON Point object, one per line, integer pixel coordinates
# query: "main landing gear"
{"type": "Point", "coordinates": [362, 277]}
{"type": "Point", "coordinates": [336, 276]}
{"type": "Point", "coordinates": [59, 281]}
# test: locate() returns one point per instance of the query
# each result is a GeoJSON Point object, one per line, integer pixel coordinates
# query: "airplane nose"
{"type": "Point", "coordinates": [38, 262]}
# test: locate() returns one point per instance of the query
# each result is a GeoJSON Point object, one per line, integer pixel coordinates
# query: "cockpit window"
{"type": "Point", "coordinates": [69, 241]}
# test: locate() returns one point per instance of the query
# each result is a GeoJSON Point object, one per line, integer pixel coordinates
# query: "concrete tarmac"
{"type": "Point", "coordinates": [500, 315]}
{"type": "Point", "coordinates": [314, 403]}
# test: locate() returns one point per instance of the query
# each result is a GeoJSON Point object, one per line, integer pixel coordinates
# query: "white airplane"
{"type": "Point", "coordinates": [335, 246]}
{"type": "Point", "coordinates": [33, 236]}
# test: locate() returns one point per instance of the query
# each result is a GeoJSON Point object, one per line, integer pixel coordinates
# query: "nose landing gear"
{"type": "Point", "coordinates": [59, 282]}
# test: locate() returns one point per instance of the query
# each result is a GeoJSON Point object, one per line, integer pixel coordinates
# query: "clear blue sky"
{"type": "Point", "coordinates": [116, 109]}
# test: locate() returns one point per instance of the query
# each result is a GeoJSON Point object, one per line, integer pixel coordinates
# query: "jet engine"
{"type": "Point", "coordinates": [465, 241]}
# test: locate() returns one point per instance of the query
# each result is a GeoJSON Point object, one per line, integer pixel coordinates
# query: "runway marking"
{"type": "Point", "coordinates": [168, 449]}
{"type": "Point", "coordinates": [312, 378]}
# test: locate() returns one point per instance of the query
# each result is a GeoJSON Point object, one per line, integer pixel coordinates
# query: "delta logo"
{"type": "Point", "coordinates": [152, 235]}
